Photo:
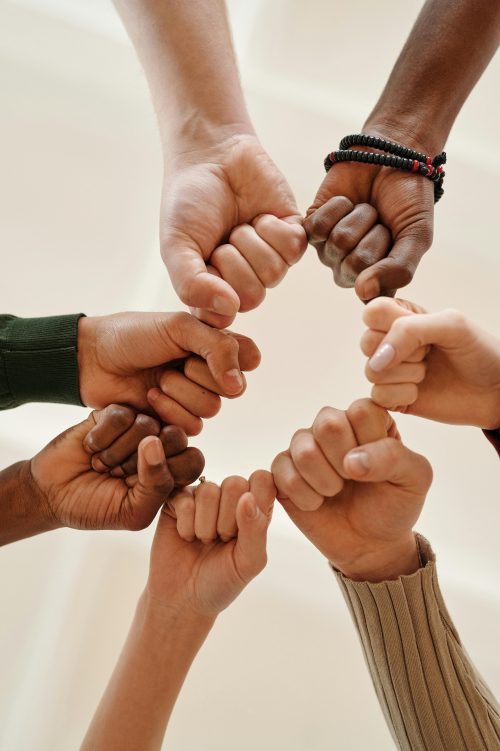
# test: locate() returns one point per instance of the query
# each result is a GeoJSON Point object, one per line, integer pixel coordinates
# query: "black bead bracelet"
{"type": "Point", "coordinates": [397, 157]}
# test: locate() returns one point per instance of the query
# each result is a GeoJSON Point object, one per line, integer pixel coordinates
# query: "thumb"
{"type": "Point", "coordinates": [155, 483]}
{"type": "Point", "coordinates": [411, 332]}
{"type": "Point", "coordinates": [387, 460]}
{"type": "Point", "coordinates": [395, 270]}
{"type": "Point", "coordinates": [195, 286]}
{"type": "Point", "coordinates": [250, 555]}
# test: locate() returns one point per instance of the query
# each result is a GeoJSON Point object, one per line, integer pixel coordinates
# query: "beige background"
{"type": "Point", "coordinates": [79, 187]}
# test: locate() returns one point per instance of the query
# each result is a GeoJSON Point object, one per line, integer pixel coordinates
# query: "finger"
{"type": "Point", "coordinates": [265, 261]}
{"type": "Point", "coordinates": [207, 316]}
{"type": "Point", "coordinates": [380, 314]}
{"type": "Point", "coordinates": [410, 333]}
{"type": "Point", "coordinates": [186, 467]}
{"type": "Point", "coordinates": [320, 222]}
{"type": "Point", "coordinates": [369, 421]}
{"type": "Point", "coordinates": [348, 232]}
{"type": "Point", "coordinates": [290, 484]}
{"type": "Point", "coordinates": [387, 460]}
{"type": "Point", "coordinates": [196, 400]}
{"type": "Point", "coordinates": [371, 339]}
{"type": "Point", "coordinates": [286, 236]}
{"type": "Point", "coordinates": [218, 348]}
{"type": "Point", "coordinates": [174, 441]}
{"type": "Point", "coordinates": [192, 282]}
{"type": "Point", "coordinates": [233, 267]}
{"type": "Point", "coordinates": [170, 411]}
{"type": "Point", "coordinates": [397, 269]}
{"type": "Point", "coordinates": [207, 497]}
{"type": "Point", "coordinates": [333, 433]}
{"type": "Point", "coordinates": [404, 373]}
{"type": "Point", "coordinates": [182, 507]}
{"type": "Point", "coordinates": [264, 491]}
{"type": "Point", "coordinates": [154, 485]}
{"type": "Point", "coordinates": [313, 466]}
{"type": "Point", "coordinates": [126, 444]}
{"type": "Point", "coordinates": [370, 249]}
{"type": "Point", "coordinates": [110, 423]}
{"type": "Point", "coordinates": [397, 397]}
{"type": "Point", "coordinates": [232, 489]}
{"type": "Point", "coordinates": [250, 555]}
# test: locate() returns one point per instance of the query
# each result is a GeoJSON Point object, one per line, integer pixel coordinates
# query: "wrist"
{"type": "Point", "coordinates": [25, 510]}
{"type": "Point", "coordinates": [159, 615]}
{"type": "Point", "coordinates": [376, 564]}
{"type": "Point", "coordinates": [199, 136]}
{"type": "Point", "coordinates": [413, 131]}
{"type": "Point", "coordinates": [87, 363]}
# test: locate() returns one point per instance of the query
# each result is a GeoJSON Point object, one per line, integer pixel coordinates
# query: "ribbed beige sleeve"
{"type": "Point", "coordinates": [432, 696]}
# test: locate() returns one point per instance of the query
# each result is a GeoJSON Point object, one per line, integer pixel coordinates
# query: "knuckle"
{"type": "Point", "coordinates": [147, 425]}
{"type": "Point", "coordinates": [342, 237]}
{"type": "Point", "coordinates": [327, 425]}
{"type": "Point", "coordinates": [342, 278]}
{"type": "Point", "coordinates": [251, 297]}
{"type": "Point", "coordinates": [455, 318]}
{"type": "Point", "coordinates": [274, 270]}
{"type": "Point", "coordinates": [360, 410]}
{"type": "Point", "coordinates": [318, 227]}
{"type": "Point", "coordinates": [211, 405]}
{"type": "Point", "coordinates": [304, 454]}
{"type": "Point", "coordinates": [239, 234]}
{"type": "Point", "coordinates": [120, 416]}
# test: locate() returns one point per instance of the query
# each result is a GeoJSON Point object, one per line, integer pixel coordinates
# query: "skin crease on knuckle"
{"type": "Point", "coordinates": [119, 416]}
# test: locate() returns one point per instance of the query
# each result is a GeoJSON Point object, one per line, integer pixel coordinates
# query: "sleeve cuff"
{"type": "Point", "coordinates": [39, 359]}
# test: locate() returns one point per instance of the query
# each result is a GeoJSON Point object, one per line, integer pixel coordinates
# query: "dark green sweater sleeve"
{"type": "Point", "coordinates": [38, 360]}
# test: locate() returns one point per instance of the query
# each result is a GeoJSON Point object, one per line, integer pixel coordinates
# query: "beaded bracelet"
{"type": "Point", "coordinates": [397, 157]}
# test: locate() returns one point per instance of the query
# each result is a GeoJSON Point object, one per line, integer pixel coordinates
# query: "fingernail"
{"type": "Point", "coordinates": [153, 394]}
{"type": "Point", "coordinates": [371, 289]}
{"type": "Point", "coordinates": [382, 357]}
{"type": "Point", "coordinates": [222, 306]}
{"type": "Point", "coordinates": [154, 453]}
{"type": "Point", "coordinates": [233, 380]}
{"type": "Point", "coordinates": [358, 462]}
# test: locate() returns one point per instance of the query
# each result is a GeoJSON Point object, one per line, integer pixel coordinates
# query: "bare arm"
{"type": "Point", "coordinates": [190, 583]}
{"type": "Point", "coordinates": [229, 226]}
{"type": "Point", "coordinates": [448, 49]}
{"type": "Point", "coordinates": [186, 51]}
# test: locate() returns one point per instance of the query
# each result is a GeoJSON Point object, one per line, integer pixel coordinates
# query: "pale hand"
{"type": "Point", "coordinates": [435, 365]}
{"type": "Point", "coordinates": [355, 491]}
{"type": "Point", "coordinates": [229, 227]}
{"type": "Point", "coordinates": [209, 543]}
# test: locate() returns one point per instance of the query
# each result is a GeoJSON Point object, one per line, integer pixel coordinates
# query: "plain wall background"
{"type": "Point", "coordinates": [79, 193]}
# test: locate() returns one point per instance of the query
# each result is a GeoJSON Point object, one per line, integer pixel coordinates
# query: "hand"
{"type": "Point", "coordinates": [75, 495]}
{"type": "Point", "coordinates": [355, 491]}
{"type": "Point", "coordinates": [230, 227]}
{"type": "Point", "coordinates": [371, 225]}
{"type": "Point", "coordinates": [210, 542]}
{"type": "Point", "coordinates": [435, 365]}
{"type": "Point", "coordinates": [141, 359]}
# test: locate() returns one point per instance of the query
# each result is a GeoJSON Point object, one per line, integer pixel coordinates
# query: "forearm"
{"type": "Point", "coordinates": [187, 54]}
{"type": "Point", "coordinates": [141, 694]}
{"type": "Point", "coordinates": [23, 510]}
{"type": "Point", "coordinates": [431, 695]}
{"type": "Point", "coordinates": [449, 47]}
